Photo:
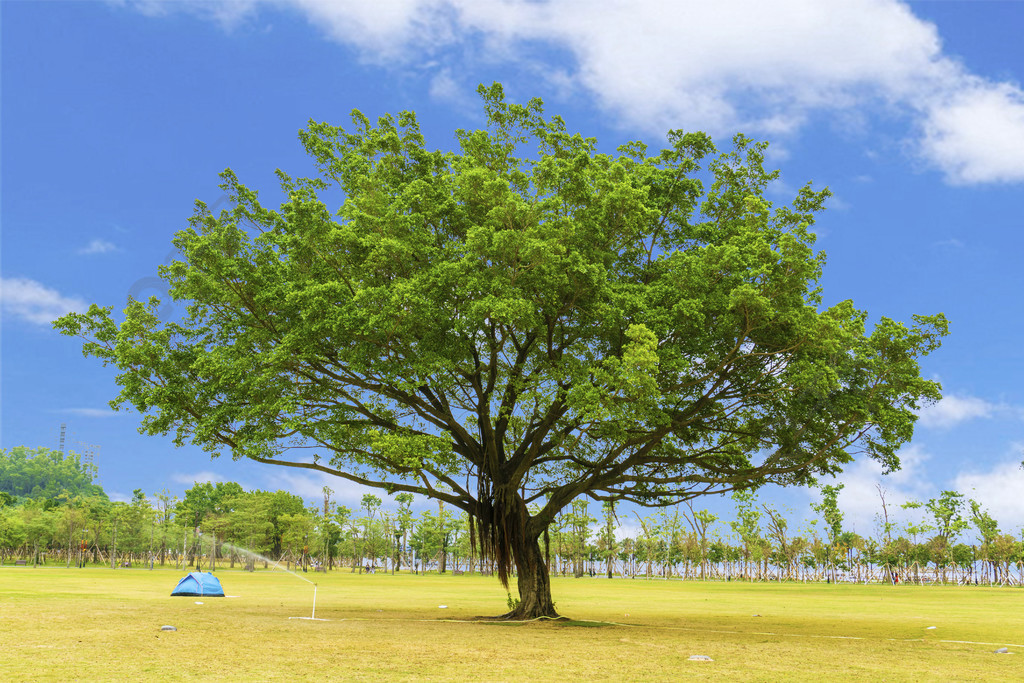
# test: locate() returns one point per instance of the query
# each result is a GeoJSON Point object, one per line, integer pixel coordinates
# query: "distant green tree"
{"type": "Point", "coordinates": [578, 521]}
{"type": "Point", "coordinates": [139, 531]}
{"type": "Point", "coordinates": [40, 526]}
{"type": "Point", "coordinates": [432, 535]}
{"type": "Point", "coordinates": [700, 521]}
{"type": "Point", "coordinates": [947, 511]}
{"type": "Point", "coordinates": [778, 531]}
{"type": "Point", "coordinates": [205, 499]}
{"type": "Point", "coordinates": [988, 530]}
{"type": "Point", "coordinates": [327, 531]}
{"type": "Point", "coordinates": [296, 529]}
{"type": "Point", "coordinates": [250, 526]}
{"type": "Point", "coordinates": [646, 546]}
{"type": "Point", "coordinates": [278, 504]}
{"type": "Point", "coordinates": [12, 531]}
{"type": "Point", "coordinates": [608, 543]}
{"type": "Point", "coordinates": [347, 533]}
{"type": "Point", "coordinates": [747, 526]}
{"type": "Point", "coordinates": [370, 537]}
{"type": "Point", "coordinates": [165, 529]}
{"type": "Point", "coordinates": [403, 521]}
{"type": "Point", "coordinates": [829, 510]}
{"type": "Point", "coordinates": [44, 473]}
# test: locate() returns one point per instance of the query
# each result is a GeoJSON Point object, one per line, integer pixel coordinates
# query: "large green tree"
{"type": "Point", "coordinates": [519, 322]}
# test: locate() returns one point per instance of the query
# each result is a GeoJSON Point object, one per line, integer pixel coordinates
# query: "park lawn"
{"type": "Point", "coordinates": [98, 624]}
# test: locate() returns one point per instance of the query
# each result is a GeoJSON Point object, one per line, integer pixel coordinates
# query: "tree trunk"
{"type": "Point", "coordinates": [534, 582]}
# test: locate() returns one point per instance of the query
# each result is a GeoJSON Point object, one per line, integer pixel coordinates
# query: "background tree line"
{"type": "Point", "coordinates": [51, 511]}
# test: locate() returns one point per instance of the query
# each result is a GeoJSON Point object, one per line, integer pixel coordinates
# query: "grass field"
{"type": "Point", "coordinates": [99, 624]}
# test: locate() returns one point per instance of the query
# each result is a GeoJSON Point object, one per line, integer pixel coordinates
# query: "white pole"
{"type": "Point", "coordinates": [314, 601]}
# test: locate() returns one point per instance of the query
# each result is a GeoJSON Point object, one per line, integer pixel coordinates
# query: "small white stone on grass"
{"type": "Point", "coordinates": [168, 628]}
{"type": "Point", "coordinates": [930, 628]}
{"type": "Point", "coordinates": [198, 603]}
{"type": "Point", "coordinates": [442, 607]}
{"type": "Point", "coordinates": [1003, 651]}
{"type": "Point", "coordinates": [700, 658]}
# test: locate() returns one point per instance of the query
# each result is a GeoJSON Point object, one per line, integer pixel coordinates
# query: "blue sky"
{"type": "Point", "coordinates": [117, 116]}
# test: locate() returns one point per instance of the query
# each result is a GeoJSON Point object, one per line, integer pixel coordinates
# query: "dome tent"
{"type": "Point", "coordinates": [199, 583]}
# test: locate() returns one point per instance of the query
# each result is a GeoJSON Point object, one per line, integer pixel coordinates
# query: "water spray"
{"type": "Point", "coordinates": [257, 556]}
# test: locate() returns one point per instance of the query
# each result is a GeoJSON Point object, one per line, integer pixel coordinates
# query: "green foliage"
{"type": "Point", "coordinates": [250, 524]}
{"type": "Point", "coordinates": [947, 512]}
{"type": "Point", "coordinates": [434, 534]}
{"type": "Point", "coordinates": [12, 528]}
{"type": "Point", "coordinates": [206, 499]}
{"type": "Point", "coordinates": [829, 510]}
{"type": "Point", "coordinates": [41, 473]}
{"type": "Point", "coordinates": [525, 313]}
{"type": "Point", "coordinates": [747, 524]}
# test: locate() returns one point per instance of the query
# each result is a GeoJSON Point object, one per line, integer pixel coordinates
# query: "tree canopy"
{"type": "Point", "coordinates": [42, 473]}
{"type": "Point", "coordinates": [515, 324]}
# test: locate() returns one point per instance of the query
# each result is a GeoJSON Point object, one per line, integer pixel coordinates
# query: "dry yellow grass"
{"type": "Point", "coordinates": [98, 624]}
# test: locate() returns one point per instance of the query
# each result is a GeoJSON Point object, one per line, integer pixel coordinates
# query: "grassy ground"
{"type": "Point", "coordinates": [99, 624]}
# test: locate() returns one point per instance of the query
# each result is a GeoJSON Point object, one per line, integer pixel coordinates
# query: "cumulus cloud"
{"type": "Point", "coordinates": [98, 246]}
{"type": "Point", "coordinates": [976, 134]}
{"type": "Point", "coordinates": [952, 409]}
{"type": "Point", "coordinates": [35, 302]}
{"type": "Point", "coordinates": [998, 489]}
{"type": "Point", "coordinates": [763, 68]}
{"type": "Point", "coordinates": [310, 485]}
{"type": "Point", "coordinates": [860, 501]}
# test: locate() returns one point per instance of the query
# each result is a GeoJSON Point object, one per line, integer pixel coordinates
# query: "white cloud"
{"type": "Point", "coordinates": [998, 489]}
{"type": "Point", "coordinates": [384, 29]}
{"type": "Point", "coordinates": [310, 484]}
{"type": "Point", "coordinates": [445, 88]}
{"type": "Point", "coordinates": [859, 499]}
{"type": "Point", "coordinates": [35, 302]}
{"type": "Point", "coordinates": [203, 477]}
{"type": "Point", "coordinates": [952, 409]}
{"type": "Point", "coordinates": [228, 13]}
{"type": "Point", "coordinates": [118, 497]}
{"type": "Point", "coordinates": [976, 135]}
{"type": "Point", "coordinates": [98, 246]}
{"type": "Point", "coordinates": [628, 528]}
{"type": "Point", "coordinates": [764, 68]}
{"type": "Point", "coordinates": [90, 412]}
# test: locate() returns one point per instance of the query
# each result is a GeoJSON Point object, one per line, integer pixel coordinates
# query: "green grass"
{"type": "Point", "coordinates": [99, 624]}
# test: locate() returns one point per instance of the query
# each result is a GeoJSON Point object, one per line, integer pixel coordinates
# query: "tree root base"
{"type": "Point", "coordinates": [512, 617]}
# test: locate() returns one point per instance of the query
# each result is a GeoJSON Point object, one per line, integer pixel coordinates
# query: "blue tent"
{"type": "Point", "coordinates": [199, 583]}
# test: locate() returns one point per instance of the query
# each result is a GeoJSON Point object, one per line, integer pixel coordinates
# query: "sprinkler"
{"type": "Point", "coordinates": [313, 617]}
{"type": "Point", "coordinates": [257, 556]}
